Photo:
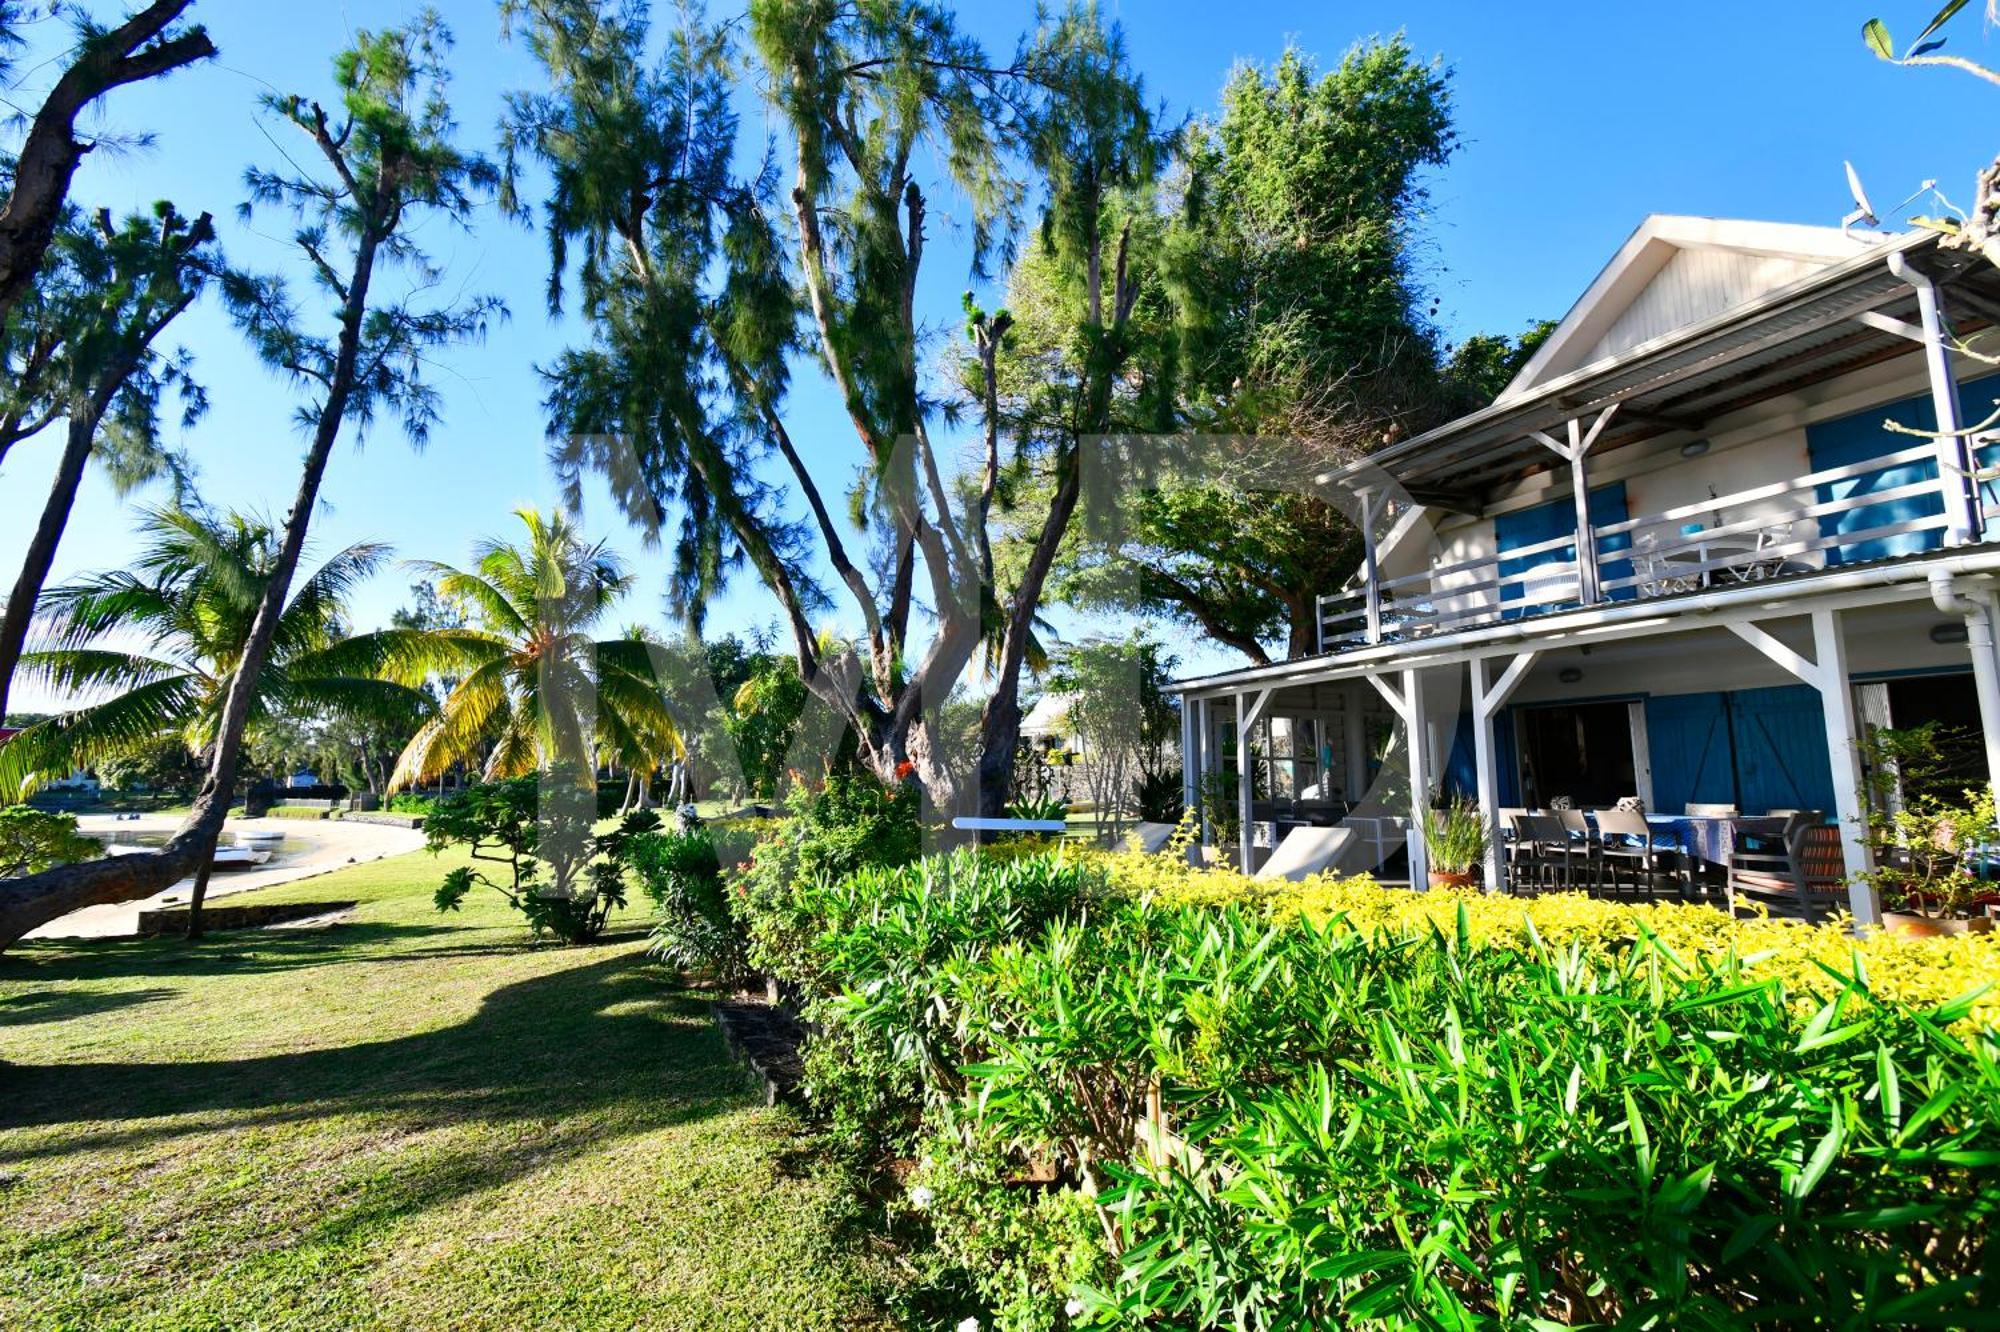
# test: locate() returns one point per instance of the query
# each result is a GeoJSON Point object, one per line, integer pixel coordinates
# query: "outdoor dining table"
{"type": "Point", "coordinates": [1745, 559]}
{"type": "Point", "coordinates": [1709, 838]}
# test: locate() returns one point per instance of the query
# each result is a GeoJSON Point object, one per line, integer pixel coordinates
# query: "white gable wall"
{"type": "Point", "coordinates": [1693, 285]}
{"type": "Point", "coordinates": [1673, 273]}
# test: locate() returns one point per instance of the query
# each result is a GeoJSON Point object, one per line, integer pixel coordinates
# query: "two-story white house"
{"type": "Point", "coordinates": [1684, 556]}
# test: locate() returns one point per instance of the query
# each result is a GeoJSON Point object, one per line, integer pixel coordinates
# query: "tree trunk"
{"type": "Point", "coordinates": [1302, 617]}
{"type": "Point", "coordinates": [196, 898]}
{"type": "Point", "coordinates": [21, 602]}
{"type": "Point", "coordinates": [37, 899]}
{"type": "Point", "coordinates": [1000, 723]}
{"type": "Point", "coordinates": [49, 155]}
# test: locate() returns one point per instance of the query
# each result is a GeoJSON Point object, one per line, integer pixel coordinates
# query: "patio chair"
{"type": "Point", "coordinates": [1305, 852]}
{"type": "Point", "coordinates": [1582, 835]}
{"type": "Point", "coordinates": [1625, 839]}
{"type": "Point", "coordinates": [1545, 850]}
{"type": "Point", "coordinates": [1794, 866]}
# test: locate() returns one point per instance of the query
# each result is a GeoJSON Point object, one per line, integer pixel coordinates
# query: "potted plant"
{"type": "Point", "coordinates": [1455, 839]}
{"type": "Point", "coordinates": [1929, 861]}
{"type": "Point", "coordinates": [1929, 841]}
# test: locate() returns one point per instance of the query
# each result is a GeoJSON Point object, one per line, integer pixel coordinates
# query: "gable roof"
{"type": "Point", "coordinates": [1673, 273]}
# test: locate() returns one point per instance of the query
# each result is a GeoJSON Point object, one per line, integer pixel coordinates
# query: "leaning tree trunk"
{"type": "Point", "coordinates": [1000, 724]}
{"type": "Point", "coordinates": [37, 899]}
{"type": "Point", "coordinates": [41, 556]}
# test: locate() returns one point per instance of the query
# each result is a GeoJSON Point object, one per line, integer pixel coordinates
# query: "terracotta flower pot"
{"type": "Point", "coordinates": [1454, 878]}
{"type": "Point", "coordinates": [1935, 927]}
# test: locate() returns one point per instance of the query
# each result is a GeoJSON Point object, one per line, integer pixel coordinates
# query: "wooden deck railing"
{"type": "Point", "coordinates": [1786, 529]}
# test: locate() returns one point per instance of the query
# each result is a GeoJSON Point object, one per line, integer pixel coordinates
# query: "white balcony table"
{"type": "Point", "coordinates": [1742, 555]}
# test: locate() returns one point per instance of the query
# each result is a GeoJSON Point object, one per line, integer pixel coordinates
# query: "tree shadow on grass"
{"type": "Point", "coordinates": [549, 1051]}
{"type": "Point", "coordinates": [237, 952]}
{"type": "Point", "coordinates": [34, 1006]}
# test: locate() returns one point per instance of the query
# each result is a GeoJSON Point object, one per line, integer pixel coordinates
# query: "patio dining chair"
{"type": "Point", "coordinates": [1795, 869]}
{"type": "Point", "coordinates": [1625, 840]}
{"type": "Point", "coordinates": [1544, 851]}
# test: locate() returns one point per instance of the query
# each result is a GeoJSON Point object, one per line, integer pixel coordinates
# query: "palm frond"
{"type": "Point", "coordinates": [90, 671]}
{"type": "Point", "coordinates": [91, 735]}
{"type": "Point", "coordinates": [80, 612]}
{"type": "Point", "coordinates": [483, 598]}
{"type": "Point", "coordinates": [451, 736]}
{"type": "Point", "coordinates": [407, 656]}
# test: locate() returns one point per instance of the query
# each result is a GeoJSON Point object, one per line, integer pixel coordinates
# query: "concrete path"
{"type": "Point", "coordinates": [317, 846]}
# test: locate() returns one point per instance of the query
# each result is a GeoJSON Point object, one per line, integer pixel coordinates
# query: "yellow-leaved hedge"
{"type": "Point", "coordinates": [1918, 972]}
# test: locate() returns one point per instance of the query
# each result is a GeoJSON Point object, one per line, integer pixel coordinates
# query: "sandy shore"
{"type": "Point", "coordinates": [318, 845]}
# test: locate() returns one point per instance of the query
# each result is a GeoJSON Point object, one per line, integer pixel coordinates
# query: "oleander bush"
{"type": "Point", "coordinates": [693, 928]}
{"type": "Point", "coordinates": [1135, 1095]}
{"type": "Point", "coordinates": [850, 823]}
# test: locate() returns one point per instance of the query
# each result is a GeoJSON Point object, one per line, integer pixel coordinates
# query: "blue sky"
{"type": "Point", "coordinates": [1577, 120]}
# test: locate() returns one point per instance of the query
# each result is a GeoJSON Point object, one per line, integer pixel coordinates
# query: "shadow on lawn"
{"type": "Point", "coordinates": [21, 1010]}
{"type": "Point", "coordinates": [548, 1053]}
{"type": "Point", "coordinates": [236, 953]}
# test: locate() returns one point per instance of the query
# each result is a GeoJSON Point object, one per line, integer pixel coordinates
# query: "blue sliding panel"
{"type": "Point", "coordinates": [1545, 522]}
{"type": "Point", "coordinates": [1852, 439]}
{"type": "Point", "coordinates": [1687, 737]}
{"type": "Point", "coordinates": [1757, 749]}
{"type": "Point", "coordinates": [1781, 758]}
{"type": "Point", "coordinates": [1461, 766]}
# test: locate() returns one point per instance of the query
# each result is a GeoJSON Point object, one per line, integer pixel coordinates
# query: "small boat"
{"type": "Point", "coordinates": [238, 857]}
{"type": "Point", "coordinates": [226, 857]}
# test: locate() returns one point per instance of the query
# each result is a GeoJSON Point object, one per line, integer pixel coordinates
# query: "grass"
{"type": "Point", "coordinates": [408, 1120]}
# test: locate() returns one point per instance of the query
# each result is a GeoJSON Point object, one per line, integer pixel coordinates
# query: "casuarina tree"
{"type": "Point", "coordinates": [150, 42]}
{"type": "Point", "coordinates": [388, 163]}
{"type": "Point", "coordinates": [704, 284]}
{"type": "Point", "coordinates": [89, 354]}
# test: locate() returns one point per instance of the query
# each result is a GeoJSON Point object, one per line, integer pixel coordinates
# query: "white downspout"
{"type": "Point", "coordinates": [1954, 455]}
{"type": "Point", "coordinates": [1985, 668]}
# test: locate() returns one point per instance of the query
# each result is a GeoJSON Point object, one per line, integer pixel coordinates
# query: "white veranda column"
{"type": "Point", "coordinates": [1827, 674]}
{"type": "Point", "coordinates": [1408, 705]}
{"type": "Point", "coordinates": [1488, 697]}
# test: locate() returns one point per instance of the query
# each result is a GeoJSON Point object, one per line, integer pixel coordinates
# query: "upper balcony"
{"type": "Point", "coordinates": [1793, 382]}
{"type": "Point", "coordinates": [1886, 506]}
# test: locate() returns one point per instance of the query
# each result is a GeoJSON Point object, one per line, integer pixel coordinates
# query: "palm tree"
{"type": "Point", "coordinates": [153, 650]}
{"type": "Point", "coordinates": [534, 689]}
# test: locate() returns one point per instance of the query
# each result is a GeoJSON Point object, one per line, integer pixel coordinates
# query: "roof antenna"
{"type": "Point", "coordinates": [1863, 210]}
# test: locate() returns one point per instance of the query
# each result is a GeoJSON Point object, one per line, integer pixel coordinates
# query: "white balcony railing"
{"type": "Point", "coordinates": [1786, 529]}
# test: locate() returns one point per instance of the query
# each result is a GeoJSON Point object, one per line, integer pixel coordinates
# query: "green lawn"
{"type": "Point", "coordinates": [409, 1120]}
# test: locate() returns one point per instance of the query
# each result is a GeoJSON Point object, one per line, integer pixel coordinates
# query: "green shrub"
{"type": "Point", "coordinates": [32, 840]}
{"type": "Point", "coordinates": [851, 823]}
{"type": "Point", "coordinates": [409, 802]}
{"type": "Point", "coordinates": [563, 877]}
{"type": "Point", "coordinates": [881, 940]}
{"type": "Point", "coordinates": [1279, 1118]}
{"type": "Point", "coordinates": [692, 925]}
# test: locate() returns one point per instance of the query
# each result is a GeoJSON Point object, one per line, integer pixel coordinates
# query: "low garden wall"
{"type": "Point", "coordinates": [174, 920]}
